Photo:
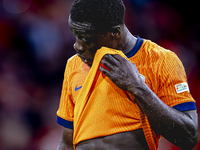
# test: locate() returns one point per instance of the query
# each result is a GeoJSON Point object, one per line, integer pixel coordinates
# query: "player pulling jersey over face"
{"type": "Point", "coordinates": [147, 86]}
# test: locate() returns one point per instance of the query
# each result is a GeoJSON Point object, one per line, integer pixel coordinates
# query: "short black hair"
{"type": "Point", "coordinates": [101, 14]}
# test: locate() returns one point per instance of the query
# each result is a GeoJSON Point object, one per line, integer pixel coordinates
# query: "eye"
{"type": "Point", "coordinates": [84, 40]}
{"type": "Point", "coordinates": [87, 41]}
{"type": "Point", "coordinates": [79, 37]}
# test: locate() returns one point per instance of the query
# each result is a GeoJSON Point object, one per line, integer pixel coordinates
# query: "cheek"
{"type": "Point", "coordinates": [93, 48]}
{"type": "Point", "coordinates": [107, 42]}
{"type": "Point", "coordinates": [90, 52]}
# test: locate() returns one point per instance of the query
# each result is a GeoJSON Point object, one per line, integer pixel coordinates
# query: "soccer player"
{"type": "Point", "coordinates": [134, 99]}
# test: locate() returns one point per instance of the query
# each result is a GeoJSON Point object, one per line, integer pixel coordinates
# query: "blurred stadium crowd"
{"type": "Point", "coordinates": [35, 43]}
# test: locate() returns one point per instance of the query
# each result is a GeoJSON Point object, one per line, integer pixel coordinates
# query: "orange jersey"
{"type": "Point", "coordinates": [108, 109]}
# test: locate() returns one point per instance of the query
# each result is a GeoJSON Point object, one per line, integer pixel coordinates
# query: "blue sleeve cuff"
{"type": "Point", "coordinates": [185, 106]}
{"type": "Point", "coordinates": [181, 107]}
{"type": "Point", "coordinates": [65, 123]}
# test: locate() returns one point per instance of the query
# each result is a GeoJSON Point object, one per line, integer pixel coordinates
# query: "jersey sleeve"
{"type": "Point", "coordinates": [173, 87]}
{"type": "Point", "coordinates": [65, 113]}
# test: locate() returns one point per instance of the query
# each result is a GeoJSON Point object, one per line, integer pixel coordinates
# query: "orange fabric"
{"type": "Point", "coordinates": [100, 108]}
{"type": "Point", "coordinates": [100, 104]}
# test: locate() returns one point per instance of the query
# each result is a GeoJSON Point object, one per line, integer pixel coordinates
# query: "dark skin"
{"type": "Point", "coordinates": [180, 128]}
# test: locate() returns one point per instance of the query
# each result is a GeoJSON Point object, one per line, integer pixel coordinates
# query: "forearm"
{"type": "Point", "coordinates": [175, 126]}
{"type": "Point", "coordinates": [179, 128]}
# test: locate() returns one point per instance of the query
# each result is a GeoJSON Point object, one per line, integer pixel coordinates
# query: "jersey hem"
{"type": "Point", "coordinates": [94, 137]}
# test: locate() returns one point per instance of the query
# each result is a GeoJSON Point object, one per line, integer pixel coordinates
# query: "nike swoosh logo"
{"type": "Point", "coordinates": [78, 88]}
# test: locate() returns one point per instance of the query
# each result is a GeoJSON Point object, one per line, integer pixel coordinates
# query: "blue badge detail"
{"type": "Point", "coordinates": [78, 88]}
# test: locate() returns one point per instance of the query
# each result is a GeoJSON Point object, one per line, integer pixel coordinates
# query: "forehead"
{"type": "Point", "coordinates": [79, 27]}
{"type": "Point", "coordinates": [85, 29]}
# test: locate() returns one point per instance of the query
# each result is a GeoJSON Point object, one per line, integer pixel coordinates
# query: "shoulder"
{"type": "Point", "coordinates": [155, 55]}
{"type": "Point", "coordinates": [72, 64]}
{"type": "Point", "coordinates": [165, 64]}
{"type": "Point", "coordinates": [164, 58]}
{"type": "Point", "coordinates": [74, 61]}
{"type": "Point", "coordinates": [156, 51]}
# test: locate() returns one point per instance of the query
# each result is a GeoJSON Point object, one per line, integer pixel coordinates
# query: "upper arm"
{"type": "Point", "coordinates": [172, 82]}
{"type": "Point", "coordinates": [67, 137]}
{"type": "Point", "coordinates": [65, 113]}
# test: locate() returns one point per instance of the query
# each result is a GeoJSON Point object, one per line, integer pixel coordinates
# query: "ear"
{"type": "Point", "coordinates": [116, 31]}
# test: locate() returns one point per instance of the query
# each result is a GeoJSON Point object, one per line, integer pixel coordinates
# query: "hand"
{"type": "Point", "coordinates": [121, 72]}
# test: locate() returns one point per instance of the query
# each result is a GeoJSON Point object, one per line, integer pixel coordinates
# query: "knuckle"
{"type": "Point", "coordinates": [106, 56]}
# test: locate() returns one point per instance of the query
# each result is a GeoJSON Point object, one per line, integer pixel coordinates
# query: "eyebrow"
{"type": "Point", "coordinates": [84, 35]}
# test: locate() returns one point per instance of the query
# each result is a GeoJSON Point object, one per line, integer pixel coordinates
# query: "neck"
{"type": "Point", "coordinates": [129, 41]}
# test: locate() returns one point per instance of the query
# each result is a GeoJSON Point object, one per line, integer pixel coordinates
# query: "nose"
{"type": "Point", "coordinates": [78, 46]}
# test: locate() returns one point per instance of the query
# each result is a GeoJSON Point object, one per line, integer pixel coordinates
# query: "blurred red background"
{"type": "Point", "coordinates": [35, 43]}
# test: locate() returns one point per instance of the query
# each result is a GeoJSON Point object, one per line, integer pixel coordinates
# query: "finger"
{"type": "Point", "coordinates": [104, 71]}
{"type": "Point", "coordinates": [110, 59]}
{"type": "Point", "coordinates": [107, 64]}
{"type": "Point", "coordinates": [118, 57]}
